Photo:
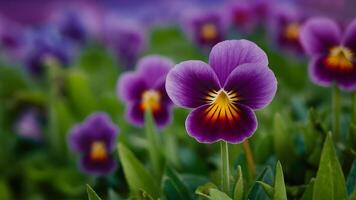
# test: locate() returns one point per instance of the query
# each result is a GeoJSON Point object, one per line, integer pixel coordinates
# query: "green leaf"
{"type": "Point", "coordinates": [80, 93]}
{"type": "Point", "coordinates": [136, 175]}
{"type": "Point", "coordinates": [92, 194]}
{"type": "Point", "coordinates": [267, 188]}
{"type": "Point", "coordinates": [256, 192]}
{"type": "Point", "coordinates": [216, 194]}
{"type": "Point", "coordinates": [330, 181]}
{"type": "Point", "coordinates": [239, 186]}
{"type": "Point", "coordinates": [279, 185]}
{"type": "Point", "coordinates": [5, 192]}
{"type": "Point", "coordinates": [154, 142]}
{"type": "Point", "coordinates": [174, 186]}
{"type": "Point", "coordinates": [351, 178]}
{"type": "Point", "coordinates": [282, 140]}
{"type": "Point", "coordinates": [204, 190]}
{"type": "Point", "coordinates": [308, 193]}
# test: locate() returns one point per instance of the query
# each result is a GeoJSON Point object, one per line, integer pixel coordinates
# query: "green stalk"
{"type": "Point", "coordinates": [354, 107]}
{"type": "Point", "coordinates": [225, 170]}
{"type": "Point", "coordinates": [53, 134]}
{"type": "Point", "coordinates": [250, 160]}
{"type": "Point", "coordinates": [153, 144]}
{"type": "Point", "coordinates": [336, 108]}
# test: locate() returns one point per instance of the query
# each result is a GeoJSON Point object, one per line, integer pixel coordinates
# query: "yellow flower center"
{"type": "Point", "coordinates": [340, 58]}
{"type": "Point", "coordinates": [151, 100]}
{"type": "Point", "coordinates": [291, 32]}
{"type": "Point", "coordinates": [222, 105]}
{"type": "Point", "coordinates": [209, 31]}
{"type": "Point", "coordinates": [98, 151]}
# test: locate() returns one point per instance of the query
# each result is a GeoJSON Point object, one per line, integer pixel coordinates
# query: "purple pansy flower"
{"type": "Point", "coordinates": [28, 125]}
{"type": "Point", "coordinates": [333, 52]}
{"type": "Point", "coordinates": [145, 89]}
{"type": "Point", "coordinates": [127, 39]}
{"type": "Point", "coordinates": [243, 16]}
{"type": "Point", "coordinates": [284, 27]}
{"type": "Point", "coordinates": [72, 27]}
{"type": "Point", "coordinates": [206, 28]}
{"type": "Point", "coordinates": [224, 93]}
{"type": "Point", "coordinates": [46, 47]}
{"type": "Point", "coordinates": [95, 141]}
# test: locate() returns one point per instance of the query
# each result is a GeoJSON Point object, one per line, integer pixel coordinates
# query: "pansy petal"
{"type": "Point", "coordinates": [163, 116]}
{"type": "Point", "coordinates": [100, 168]}
{"type": "Point", "coordinates": [320, 74]}
{"type": "Point", "coordinates": [227, 55]}
{"type": "Point", "coordinates": [188, 83]}
{"type": "Point", "coordinates": [153, 68]}
{"type": "Point", "coordinates": [350, 36]}
{"type": "Point", "coordinates": [318, 35]}
{"type": "Point", "coordinates": [78, 142]}
{"type": "Point", "coordinates": [235, 130]}
{"type": "Point", "coordinates": [135, 114]}
{"type": "Point", "coordinates": [255, 85]}
{"type": "Point", "coordinates": [130, 87]}
{"type": "Point", "coordinates": [324, 76]}
{"type": "Point", "coordinates": [161, 88]}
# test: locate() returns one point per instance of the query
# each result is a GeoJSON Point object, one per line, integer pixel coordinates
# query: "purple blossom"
{"type": "Point", "coordinates": [333, 52]}
{"type": "Point", "coordinates": [95, 141]}
{"type": "Point", "coordinates": [243, 16]}
{"type": "Point", "coordinates": [46, 47]}
{"type": "Point", "coordinates": [144, 89]}
{"type": "Point", "coordinates": [127, 39]}
{"type": "Point", "coordinates": [284, 27]}
{"type": "Point", "coordinates": [206, 28]}
{"type": "Point", "coordinates": [72, 27]}
{"type": "Point", "coordinates": [28, 125]}
{"type": "Point", "coordinates": [224, 93]}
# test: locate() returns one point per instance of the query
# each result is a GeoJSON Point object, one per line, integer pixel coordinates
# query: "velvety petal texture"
{"type": "Point", "coordinates": [350, 36]}
{"type": "Point", "coordinates": [95, 141]}
{"type": "Point", "coordinates": [188, 83]}
{"type": "Point", "coordinates": [255, 85]}
{"type": "Point", "coordinates": [227, 55]}
{"type": "Point", "coordinates": [145, 89]}
{"type": "Point", "coordinates": [209, 131]}
{"type": "Point", "coordinates": [318, 35]}
{"type": "Point", "coordinates": [224, 94]}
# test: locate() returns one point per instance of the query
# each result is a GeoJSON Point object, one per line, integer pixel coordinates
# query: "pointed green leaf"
{"type": "Point", "coordinates": [92, 194]}
{"type": "Point", "coordinates": [282, 140]}
{"type": "Point", "coordinates": [174, 186]}
{"type": "Point", "coordinates": [308, 193]}
{"type": "Point", "coordinates": [353, 195]}
{"type": "Point", "coordinates": [204, 190]}
{"type": "Point", "coordinates": [256, 192]}
{"type": "Point", "coordinates": [136, 175]}
{"type": "Point", "coordinates": [330, 181]}
{"type": "Point", "coordinates": [239, 186]}
{"type": "Point", "coordinates": [218, 195]}
{"type": "Point", "coordinates": [351, 178]}
{"type": "Point", "coordinates": [279, 186]}
{"type": "Point", "coordinates": [267, 188]}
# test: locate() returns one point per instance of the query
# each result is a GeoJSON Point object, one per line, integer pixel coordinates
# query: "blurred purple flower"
{"type": "Point", "coordinates": [224, 93]}
{"type": "Point", "coordinates": [243, 16]}
{"type": "Point", "coordinates": [47, 47]}
{"type": "Point", "coordinates": [284, 27]}
{"type": "Point", "coordinates": [144, 89]}
{"type": "Point", "coordinates": [72, 27]}
{"type": "Point", "coordinates": [95, 141]}
{"type": "Point", "coordinates": [333, 52]}
{"type": "Point", "coordinates": [206, 28]}
{"type": "Point", "coordinates": [127, 39]}
{"type": "Point", "coordinates": [13, 40]}
{"type": "Point", "coordinates": [28, 125]}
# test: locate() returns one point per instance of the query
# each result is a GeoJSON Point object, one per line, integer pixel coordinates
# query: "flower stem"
{"type": "Point", "coordinates": [153, 144]}
{"type": "Point", "coordinates": [354, 107]}
{"type": "Point", "coordinates": [336, 108]}
{"type": "Point", "coordinates": [225, 171]}
{"type": "Point", "coordinates": [249, 157]}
